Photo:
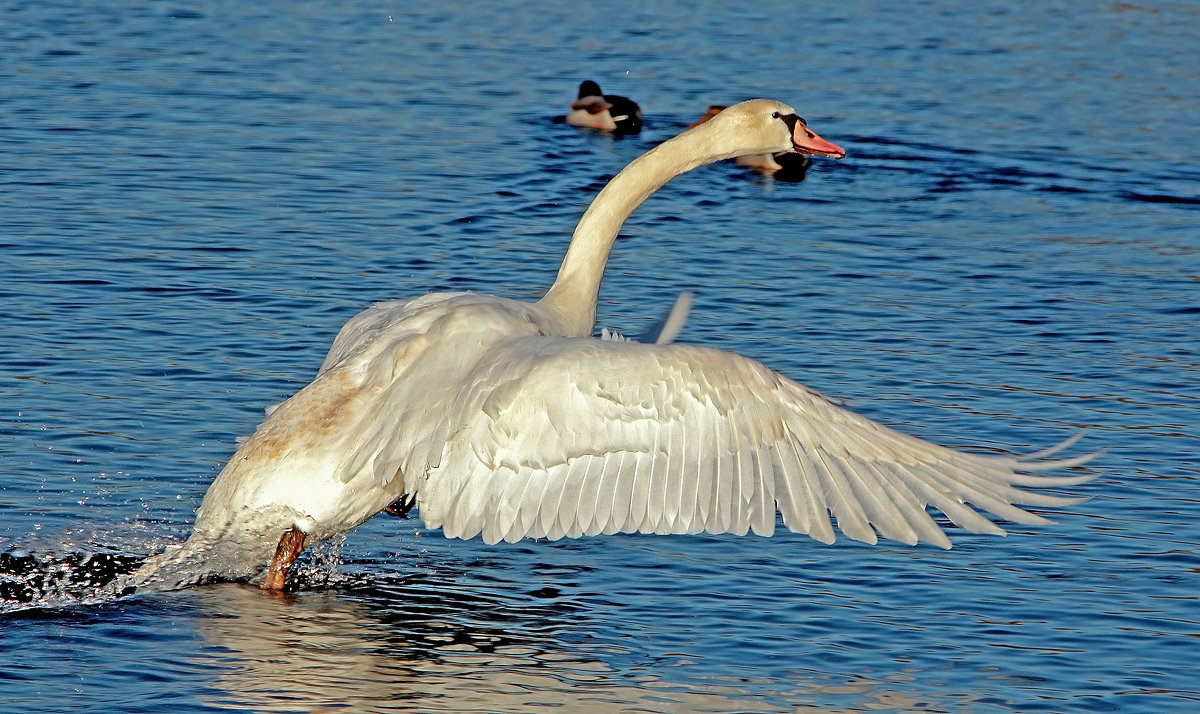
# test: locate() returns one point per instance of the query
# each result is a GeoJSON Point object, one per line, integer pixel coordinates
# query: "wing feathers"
{"type": "Point", "coordinates": [745, 505]}
{"type": "Point", "coordinates": [762, 506]}
{"type": "Point", "coordinates": [580, 437]}
{"type": "Point", "coordinates": [606, 489]}
{"type": "Point", "coordinates": [499, 522]}
{"type": "Point", "coordinates": [803, 505]}
{"type": "Point", "coordinates": [705, 460]}
{"type": "Point", "coordinates": [623, 490]}
{"type": "Point", "coordinates": [960, 514]}
{"type": "Point", "coordinates": [681, 481]}
{"type": "Point", "coordinates": [846, 508]}
{"type": "Point", "coordinates": [880, 508]}
{"type": "Point", "coordinates": [552, 499]}
{"type": "Point", "coordinates": [911, 509]}
{"type": "Point", "coordinates": [528, 521]}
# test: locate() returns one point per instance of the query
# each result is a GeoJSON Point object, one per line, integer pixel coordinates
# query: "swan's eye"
{"type": "Point", "coordinates": [774, 115]}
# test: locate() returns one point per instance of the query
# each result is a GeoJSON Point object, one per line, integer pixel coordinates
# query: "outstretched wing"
{"type": "Point", "coordinates": [566, 437]}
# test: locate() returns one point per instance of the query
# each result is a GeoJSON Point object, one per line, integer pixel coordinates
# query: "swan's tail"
{"type": "Point", "coordinates": [667, 329]}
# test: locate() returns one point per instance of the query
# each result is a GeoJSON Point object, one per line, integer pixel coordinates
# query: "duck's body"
{"type": "Point", "coordinates": [785, 167]}
{"type": "Point", "coordinates": [607, 112]}
{"type": "Point", "coordinates": [507, 419]}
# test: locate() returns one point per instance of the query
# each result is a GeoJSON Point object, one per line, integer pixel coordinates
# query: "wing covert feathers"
{"type": "Point", "coordinates": [560, 437]}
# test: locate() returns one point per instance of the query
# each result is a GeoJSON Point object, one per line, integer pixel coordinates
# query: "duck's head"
{"type": "Point", "coordinates": [709, 113]}
{"type": "Point", "coordinates": [589, 88]}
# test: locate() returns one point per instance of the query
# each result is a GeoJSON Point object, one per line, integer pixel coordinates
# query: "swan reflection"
{"type": "Point", "coordinates": [408, 645]}
{"type": "Point", "coordinates": [416, 643]}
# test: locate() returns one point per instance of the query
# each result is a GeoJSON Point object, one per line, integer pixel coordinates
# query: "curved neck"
{"type": "Point", "coordinates": [576, 289]}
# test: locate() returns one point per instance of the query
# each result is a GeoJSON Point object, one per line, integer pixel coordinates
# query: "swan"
{"type": "Point", "coordinates": [608, 112]}
{"type": "Point", "coordinates": [506, 419]}
{"type": "Point", "coordinates": [785, 166]}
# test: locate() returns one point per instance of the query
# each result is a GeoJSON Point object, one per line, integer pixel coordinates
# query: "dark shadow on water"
{"type": "Point", "coordinates": [1158, 198]}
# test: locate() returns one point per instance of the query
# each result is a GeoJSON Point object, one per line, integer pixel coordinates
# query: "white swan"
{"type": "Point", "coordinates": [507, 419]}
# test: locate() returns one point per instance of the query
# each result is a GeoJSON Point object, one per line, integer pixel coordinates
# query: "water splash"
{"type": "Point", "coordinates": [29, 580]}
{"type": "Point", "coordinates": [36, 580]}
{"type": "Point", "coordinates": [318, 566]}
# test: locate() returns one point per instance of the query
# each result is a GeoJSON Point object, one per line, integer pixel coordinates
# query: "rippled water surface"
{"type": "Point", "coordinates": [194, 198]}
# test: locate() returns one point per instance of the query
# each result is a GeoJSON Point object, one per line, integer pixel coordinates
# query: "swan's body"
{"type": "Point", "coordinates": [507, 419]}
{"type": "Point", "coordinates": [606, 112]}
{"type": "Point", "coordinates": [783, 165]}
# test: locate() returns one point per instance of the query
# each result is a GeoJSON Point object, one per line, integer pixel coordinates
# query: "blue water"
{"type": "Point", "coordinates": [193, 199]}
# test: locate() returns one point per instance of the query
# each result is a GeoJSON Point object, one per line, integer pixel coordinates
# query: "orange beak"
{"type": "Point", "coordinates": [806, 141]}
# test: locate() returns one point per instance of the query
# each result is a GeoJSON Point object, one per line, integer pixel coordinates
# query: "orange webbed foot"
{"type": "Point", "coordinates": [290, 545]}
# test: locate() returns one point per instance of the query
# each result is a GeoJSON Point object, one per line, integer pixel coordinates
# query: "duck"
{"type": "Point", "coordinates": [784, 166]}
{"type": "Point", "coordinates": [607, 112]}
{"type": "Point", "coordinates": [507, 419]}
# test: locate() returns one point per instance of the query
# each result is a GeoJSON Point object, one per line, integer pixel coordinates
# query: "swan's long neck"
{"type": "Point", "coordinates": [576, 289]}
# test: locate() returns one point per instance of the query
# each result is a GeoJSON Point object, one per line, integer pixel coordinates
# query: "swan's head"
{"type": "Point", "coordinates": [765, 126]}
